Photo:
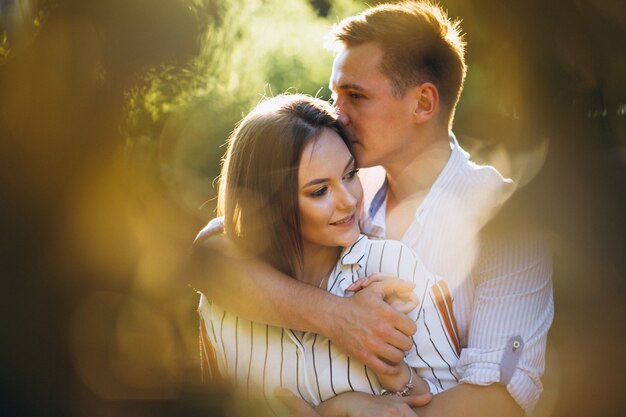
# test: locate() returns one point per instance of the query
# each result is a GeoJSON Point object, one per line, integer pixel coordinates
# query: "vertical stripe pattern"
{"type": "Point", "coordinates": [260, 358]}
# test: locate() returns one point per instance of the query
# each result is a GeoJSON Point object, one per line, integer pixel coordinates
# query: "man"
{"type": "Point", "coordinates": [397, 77]}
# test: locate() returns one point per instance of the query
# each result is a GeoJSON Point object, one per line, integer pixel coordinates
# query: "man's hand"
{"type": "Point", "coordinates": [370, 330]}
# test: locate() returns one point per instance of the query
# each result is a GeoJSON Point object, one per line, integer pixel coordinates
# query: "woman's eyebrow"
{"type": "Point", "coordinates": [322, 180]}
{"type": "Point", "coordinates": [350, 162]}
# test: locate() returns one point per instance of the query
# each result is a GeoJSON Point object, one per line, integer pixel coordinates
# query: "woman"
{"type": "Point", "coordinates": [289, 195]}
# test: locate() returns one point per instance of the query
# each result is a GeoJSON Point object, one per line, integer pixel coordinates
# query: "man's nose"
{"type": "Point", "coordinates": [341, 112]}
{"type": "Point", "coordinates": [343, 119]}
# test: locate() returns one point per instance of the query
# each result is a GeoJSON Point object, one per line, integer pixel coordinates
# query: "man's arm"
{"type": "Point", "coordinates": [353, 404]}
{"type": "Point", "coordinates": [467, 400]}
{"type": "Point", "coordinates": [461, 401]}
{"type": "Point", "coordinates": [501, 367]}
{"type": "Point", "coordinates": [364, 326]}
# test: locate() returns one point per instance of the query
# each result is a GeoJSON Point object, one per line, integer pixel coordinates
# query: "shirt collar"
{"type": "Point", "coordinates": [379, 199]}
{"type": "Point", "coordinates": [355, 253]}
{"type": "Point", "coordinates": [457, 154]}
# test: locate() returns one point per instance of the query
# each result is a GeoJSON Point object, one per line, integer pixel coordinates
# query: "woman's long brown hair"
{"type": "Point", "coordinates": [258, 194]}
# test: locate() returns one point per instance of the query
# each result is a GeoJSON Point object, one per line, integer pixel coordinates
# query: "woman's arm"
{"type": "Point", "coordinates": [364, 326]}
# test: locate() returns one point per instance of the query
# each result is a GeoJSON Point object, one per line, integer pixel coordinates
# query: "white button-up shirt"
{"type": "Point", "coordinates": [502, 291]}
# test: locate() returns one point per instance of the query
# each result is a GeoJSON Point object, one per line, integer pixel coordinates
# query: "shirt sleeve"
{"type": "Point", "coordinates": [213, 227]}
{"type": "Point", "coordinates": [513, 310]}
{"type": "Point", "coordinates": [209, 367]}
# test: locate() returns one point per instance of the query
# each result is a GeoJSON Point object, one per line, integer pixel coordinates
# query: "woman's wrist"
{"type": "Point", "coordinates": [398, 382]}
{"type": "Point", "coordinates": [408, 387]}
{"type": "Point", "coordinates": [407, 382]}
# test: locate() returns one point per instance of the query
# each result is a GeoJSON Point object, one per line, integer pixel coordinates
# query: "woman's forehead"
{"type": "Point", "coordinates": [327, 154]}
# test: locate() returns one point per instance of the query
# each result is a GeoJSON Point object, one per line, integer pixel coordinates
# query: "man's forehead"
{"type": "Point", "coordinates": [356, 67]}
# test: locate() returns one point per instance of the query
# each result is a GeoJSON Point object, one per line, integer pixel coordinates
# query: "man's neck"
{"type": "Point", "coordinates": [409, 183]}
{"type": "Point", "coordinates": [417, 174]}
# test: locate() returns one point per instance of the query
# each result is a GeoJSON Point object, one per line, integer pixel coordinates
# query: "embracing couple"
{"type": "Point", "coordinates": [372, 292]}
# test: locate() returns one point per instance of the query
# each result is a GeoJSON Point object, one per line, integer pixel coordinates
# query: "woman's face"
{"type": "Point", "coordinates": [330, 193]}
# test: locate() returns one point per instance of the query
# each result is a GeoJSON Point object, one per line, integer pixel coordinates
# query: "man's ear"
{"type": "Point", "coordinates": [426, 102]}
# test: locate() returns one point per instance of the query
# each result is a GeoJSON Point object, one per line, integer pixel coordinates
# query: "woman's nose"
{"type": "Point", "coordinates": [346, 199]}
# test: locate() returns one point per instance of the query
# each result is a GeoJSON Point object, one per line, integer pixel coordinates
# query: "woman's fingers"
{"type": "Point", "coordinates": [403, 302]}
{"type": "Point", "coordinates": [361, 283]}
{"type": "Point", "coordinates": [418, 400]}
{"type": "Point", "coordinates": [356, 285]}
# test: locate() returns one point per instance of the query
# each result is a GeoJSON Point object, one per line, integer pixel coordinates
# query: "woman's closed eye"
{"type": "Point", "coordinates": [350, 175]}
{"type": "Point", "coordinates": [319, 192]}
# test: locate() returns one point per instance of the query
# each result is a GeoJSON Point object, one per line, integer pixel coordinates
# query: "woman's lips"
{"type": "Point", "coordinates": [345, 222]}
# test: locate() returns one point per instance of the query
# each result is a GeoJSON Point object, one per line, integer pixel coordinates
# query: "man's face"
{"type": "Point", "coordinates": [379, 124]}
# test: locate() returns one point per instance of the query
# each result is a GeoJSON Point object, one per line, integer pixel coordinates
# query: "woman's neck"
{"type": "Point", "coordinates": [319, 261]}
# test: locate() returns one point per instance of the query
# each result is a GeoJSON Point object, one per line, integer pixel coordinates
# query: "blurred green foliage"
{"type": "Point", "coordinates": [251, 49]}
{"type": "Point", "coordinates": [4, 47]}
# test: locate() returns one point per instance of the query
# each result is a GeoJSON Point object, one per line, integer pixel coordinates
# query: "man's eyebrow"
{"type": "Point", "coordinates": [350, 87]}
{"type": "Point", "coordinates": [323, 180]}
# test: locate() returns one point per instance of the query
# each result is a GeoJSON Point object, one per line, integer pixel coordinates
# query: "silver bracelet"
{"type": "Point", "coordinates": [407, 388]}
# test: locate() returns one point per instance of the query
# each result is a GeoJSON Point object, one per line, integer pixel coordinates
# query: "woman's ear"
{"type": "Point", "coordinates": [426, 102]}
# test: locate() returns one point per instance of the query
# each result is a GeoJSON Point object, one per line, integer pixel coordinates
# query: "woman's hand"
{"type": "Point", "coordinates": [403, 302]}
{"type": "Point", "coordinates": [296, 405]}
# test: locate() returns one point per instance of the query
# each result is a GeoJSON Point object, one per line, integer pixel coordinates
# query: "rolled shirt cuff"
{"type": "Point", "coordinates": [524, 389]}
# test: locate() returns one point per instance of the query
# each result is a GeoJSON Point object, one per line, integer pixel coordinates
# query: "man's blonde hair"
{"type": "Point", "coordinates": [420, 43]}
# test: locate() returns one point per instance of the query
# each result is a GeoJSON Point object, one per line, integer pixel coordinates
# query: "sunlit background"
{"type": "Point", "coordinates": [113, 114]}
